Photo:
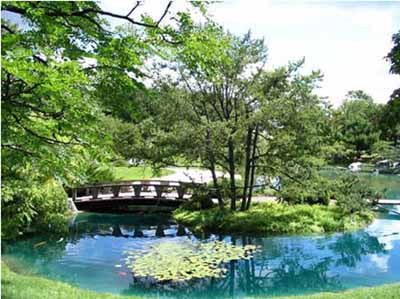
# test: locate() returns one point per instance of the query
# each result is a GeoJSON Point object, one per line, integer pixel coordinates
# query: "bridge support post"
{"type": "Point", "coordinates": [137, 189]}
{"type": "Point", "coordinates": [115, 190]}
{"type": "Point", "coordinates": [74, 194]}
{"type": "Point", "coordinates": [181, 191]}
{"type": "Point", "coordinates": [95, 192]}
{"type": "Point", "coordinates": [159, 190]}
{"type": "Point", "coordinates": [160, 231]}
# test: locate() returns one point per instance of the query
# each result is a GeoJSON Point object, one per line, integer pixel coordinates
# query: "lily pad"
{"type": "Point", "coordinates": [185, 261]}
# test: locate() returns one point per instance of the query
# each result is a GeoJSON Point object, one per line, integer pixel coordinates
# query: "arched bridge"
{"type": "Point", "coordinates": [132, 195]}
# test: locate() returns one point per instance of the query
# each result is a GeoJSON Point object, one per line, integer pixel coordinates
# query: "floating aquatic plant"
{"type": "Point", "coordinates": [184, 261]}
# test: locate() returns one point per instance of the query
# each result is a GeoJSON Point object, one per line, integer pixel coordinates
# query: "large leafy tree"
{"type": "Point", "coordinates": [63, 65]}
{"type": "Point", "coordinates": [391, 113]}
{"type": "Point", "coordinates": [230, 114]}
{"type": "Point", "coordinates": [356, 122]}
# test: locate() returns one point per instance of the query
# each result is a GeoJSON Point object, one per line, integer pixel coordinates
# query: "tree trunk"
{"type": "Point", "coordinates": [216, 186]}
{"type": "Point", "coordinates": [211, 158]}
{"type": "Point", "coordinates": [246, 168]}
{"type": "Point", "coordinates": [253, 168]}
{"type": "Point", "coordinates": [231, 159]}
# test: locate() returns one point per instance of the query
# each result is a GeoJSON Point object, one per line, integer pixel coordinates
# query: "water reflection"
{"type": "Point", "coordinates": [350, 248]}
{"type": "Point", "coordinates": [285, 265]}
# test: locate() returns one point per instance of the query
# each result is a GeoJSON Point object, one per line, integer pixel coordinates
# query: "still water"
{"type": "Point", "coordinates": [388, 185]}
{"type": "Point", "coordinates": [91, 257]}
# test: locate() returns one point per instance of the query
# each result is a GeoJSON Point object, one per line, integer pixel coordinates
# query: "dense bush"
{"type": "Point", "coordinates": [351, 194]}
{"type": "Point", "coordinates": [274, 217]}
{"type": "Point", "coordinates": [317, 190]}
{"type": "Point", "coordinates": [200, 200]}
{"type": "Point", "coordinates": [347, 190]}
{"type": "Point", "coordinates": [30, 201]}
{"type": "Point", "coordinates": [91, 169]}
{"type": "Point", "coordinates": [225, 188]}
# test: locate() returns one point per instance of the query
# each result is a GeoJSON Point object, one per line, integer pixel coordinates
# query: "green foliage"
{"type": "Point", "coordinates": [231, 114]}
{"type": "Point", "coordinates": [394, 54]}
{"type": "Point", "coordinates": [349, 193]}
{"type": "Point", "coordinates": [186, 261]}
{"type": "Point", "coordinates": [356, 124]}
{"type": "Point", "coordinates": [125, 137]}
{"type": "Point", "coordinates": [314, 190]}
{"type": "Point", "coordinates": [338, 153]}
{"type": "Point", "coordinates": [27, 202]}
{"type": "Point", "coordinates": [201, 199]}
{"type": "Point", "coordinates": [276, 218]}
{"type": "Point", "coordinates": [61, 61]}
{"type": "Point", "coordinates": [383, 150]}
{"type": "Point", "coordinates": [391, 114]}
{"type": "Point", "coordinates": [352, 195]}
{"type": "Point", "coordinates": [390, 120]}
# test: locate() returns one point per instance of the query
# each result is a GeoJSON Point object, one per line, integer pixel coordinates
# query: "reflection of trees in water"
{"type": "Point", "coordinates": [285, 263]}
{"type": "Point", "coordinates": [293, 275]}
{"type": "Point", "coordinates": [352, 247]}
{"type": "Point", "coordinates": [284, 266]}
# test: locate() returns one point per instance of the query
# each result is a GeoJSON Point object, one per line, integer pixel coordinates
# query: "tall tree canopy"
{"type": "Point", "coordinates": [356, 123]}
{"type": "Point", "coordinates": [63, 65]}
{"type": "Point", "coordinates": [222, 108]}
{"type": "Point", "coordinates": [391, 112]}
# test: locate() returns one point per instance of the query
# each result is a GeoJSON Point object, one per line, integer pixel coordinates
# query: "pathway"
{"type": "Point", "coordinates": [196, 175]}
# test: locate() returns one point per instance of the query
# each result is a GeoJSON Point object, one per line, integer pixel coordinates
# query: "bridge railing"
{"type": "Point", "coordinates": [137, 188]}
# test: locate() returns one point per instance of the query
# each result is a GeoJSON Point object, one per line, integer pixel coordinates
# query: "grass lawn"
{"type": "Point", "coordinates": [275, 218]}
{"type": "Point", "coordinates": [17, 286]}
{"type": "Point", "coordinates": [138, 173]}
{"type": "Point", "coordinates": [390, 291]}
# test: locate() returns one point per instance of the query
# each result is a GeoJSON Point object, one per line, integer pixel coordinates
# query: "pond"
{"type": "Point", "coordinates": [91, 257]}
{"type": "Point", "coordinates": [388, 185]}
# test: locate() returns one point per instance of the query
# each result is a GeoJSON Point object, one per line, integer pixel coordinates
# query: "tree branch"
{"type": "Point", "coordinates": [5, 27]}
{"type": "Point", "coordinates": [44, 138]}
{"type": "Point", "coordinates": [131, 11]}
{"type": "Point", "coordinates": [164, 14]}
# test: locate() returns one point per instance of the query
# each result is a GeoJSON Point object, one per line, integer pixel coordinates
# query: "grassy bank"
{"type": "Point", "coordinates": [273, 218]}
{"type": "Point", "coordinates": [390, 291]}
{"type": "Point", "coordinates": [17, 286]}
{"type": "Point", "coordinates": [138, 173]}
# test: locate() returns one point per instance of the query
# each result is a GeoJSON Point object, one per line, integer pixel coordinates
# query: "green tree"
{"type": "Point", "coordinates": [357, 123]}
{"type": "Point", "coordinates": [230, 114]}
{"type": "Point", "coordinates": [391, 112]}
{"type": "Point", "coordinates": [61, 65]}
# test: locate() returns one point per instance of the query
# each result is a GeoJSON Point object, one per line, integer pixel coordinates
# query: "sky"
{"type": "Point", "coordinates": [346, 40]}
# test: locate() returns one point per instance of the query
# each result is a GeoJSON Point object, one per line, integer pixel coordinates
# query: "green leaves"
{"type": "Point", "coordinates": [184, 261]}
{"type": "Point", "coordinates": [356, 123]}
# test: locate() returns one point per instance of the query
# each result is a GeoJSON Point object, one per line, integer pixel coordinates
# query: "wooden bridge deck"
{"type": "Point", "coordinates": [125, 195]}
{"type": "Point", "coordinates": [389, 201]}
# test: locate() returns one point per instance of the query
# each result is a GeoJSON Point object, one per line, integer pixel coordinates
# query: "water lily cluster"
{"type": "Point", "coordinates": [185, 261]}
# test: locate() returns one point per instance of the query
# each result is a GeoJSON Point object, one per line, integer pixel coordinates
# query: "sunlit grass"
{"type": "Point", "coordinates": [139, 173]}
{"type": "Point", "coordinates": [274, 218]}
{"type": "Point", "coordinates": [17, 286]}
